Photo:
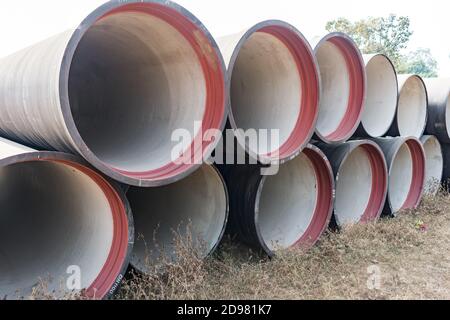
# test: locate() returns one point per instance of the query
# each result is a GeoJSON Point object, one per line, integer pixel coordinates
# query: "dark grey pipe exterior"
{"type": "Point", "coordinates": [438, 108]}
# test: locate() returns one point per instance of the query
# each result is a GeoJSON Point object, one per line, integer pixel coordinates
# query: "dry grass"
{"type": "Point", "coordinates": [412, 253]}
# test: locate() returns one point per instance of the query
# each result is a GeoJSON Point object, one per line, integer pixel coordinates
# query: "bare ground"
{"type": "Point", "coordinates": [403, 258]}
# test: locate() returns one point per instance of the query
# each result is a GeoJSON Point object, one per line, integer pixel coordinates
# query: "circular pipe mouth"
{"type": "Point", "coordinates": [382, 96]}
{"type": "Point", "coordinates": [407, 176]}
{"type": "Point", "coordinates": [133, 74]}
{"type": "Point", "coordinates": [191, 213]}
{"type": "Point", "coordinates": [434, 164]}
{"type": "Point", "coordinates": [412, 108]}
{"type": "Point", "coordinates": [294, 207]}
{"type": "Point", "coordinates": [361, 185]}
{"type": "Point", "coordinates": [274, 85]}
{"type": "Point", "coordinates": [67, 216]}
{"type": "Point", "coordinates": [343, 92]}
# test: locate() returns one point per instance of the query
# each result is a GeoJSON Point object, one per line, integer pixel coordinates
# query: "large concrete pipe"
{"type": "Point", "coordinates": [292, 208]}
{"type": "Point", "coordinates": [406, 162]}
{"type": "Point", "coordinates": [434, 164]}
{"type": "Point", "coordinates": [438, 108]}
{"type": "Point", "coordinates": [361, 175]}
{"type": "Point", "coordinates": [194, 209]}
{"type": "Point", "coordinates": [343, 88]}
{"type": "Point", "coordinates": [273, 85]}
{"type": "Point", "coordinates": [115, 89]}
{"type": "Point", "coordinates": [382, 97]}
{"type": "Point", "coordinates": [411, 117]}
{"type": "Point", "coordinates": [60, 222]}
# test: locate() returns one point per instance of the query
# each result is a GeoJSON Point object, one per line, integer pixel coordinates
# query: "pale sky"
{"type": "Point", "coordinates": [27, 21]}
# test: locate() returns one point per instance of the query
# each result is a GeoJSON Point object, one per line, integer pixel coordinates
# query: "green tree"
{"type": "Point", "coordinates": [377, 35]}
{"type": "Point", "coordinates": [419, 62]}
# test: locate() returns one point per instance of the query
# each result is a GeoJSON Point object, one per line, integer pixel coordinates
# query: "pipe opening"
{"type": "Point", "coordinates": [55, 215]}
{"type": "Point", "coordinates": [361, 186]}
{"type": "Point", "coordinates": [434, 165]}
{"type": "Point", "coordinates": [194, 208]}
{"type": "Point", "coordinates": [406, 179]}
{"type": "Point", "coordinates": [343, 88]}
{"type": "Point", "coordinates": [295, 205]}
{"type": "Point", "coordinates": [382, 96]}
{"type": "Point", "coordinates": [412, 108]}
{"type": "Point", "coordinates": [138, 74]}
{"type": "Point", "coordinates": [274, 86]}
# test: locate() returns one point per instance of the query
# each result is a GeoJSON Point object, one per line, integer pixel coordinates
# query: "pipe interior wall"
{"type": "Point", "coordinates": [191, 213]}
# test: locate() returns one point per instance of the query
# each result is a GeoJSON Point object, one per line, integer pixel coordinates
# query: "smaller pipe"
{"type": "Point", "coordinates": [382, 97]}
{"type": "Point", "coordinates": [343, 88]}
{"type": "Point", "coordinates": [434, 164]}
{"type": "Point", "coordinates": [406, 162]}
{"type": "Point", "coordinates": [273, 84]}
{"type": "Point", "coordinates": [438, 108]}
{"type": "Point", "coordinates": [360, 171]}
{"type": "Point", "coordinates": [57, 216]}
{"type": "Point", "coordinates": [290, 209]}
{"type": "Point", "coordinates": [411, 116]}
{"type": "Point", "coordinates": [193, 211]}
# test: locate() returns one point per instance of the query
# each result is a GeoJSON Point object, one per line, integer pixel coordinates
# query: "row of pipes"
{"type": "Point", "coordinates": [87, 175]}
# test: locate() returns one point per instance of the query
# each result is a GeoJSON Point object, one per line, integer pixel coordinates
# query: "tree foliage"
{"type": "Point", "coordinates": [377, 35]}
{"type": "Point", "coordinates": [388, 36]}
{"type": "Point", "coordinates": [419, 62]}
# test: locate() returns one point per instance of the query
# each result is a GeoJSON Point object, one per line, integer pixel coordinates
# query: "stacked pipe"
{"type": "Point", "coordinates": [105, 99]}
{"type": "Point", "coordinates": [112, 90]}
{"type": "Point", "coordinates": [274, 85]}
